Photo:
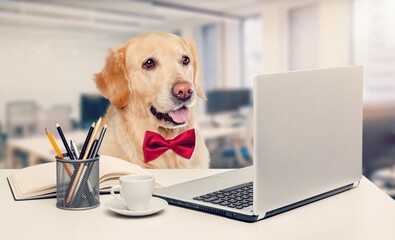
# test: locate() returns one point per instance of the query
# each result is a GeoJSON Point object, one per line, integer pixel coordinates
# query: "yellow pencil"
{"type": "Point", "coordinates": [78, 175]}
{"type": "Point", "coordinates": [57, 150]}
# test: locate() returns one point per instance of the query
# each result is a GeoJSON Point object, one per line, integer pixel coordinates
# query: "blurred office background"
{"type": "Point", "coordinates": [50, 50]}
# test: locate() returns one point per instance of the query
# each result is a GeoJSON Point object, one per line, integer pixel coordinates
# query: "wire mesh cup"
{"type": "Point", "coordinates": [77, 183]}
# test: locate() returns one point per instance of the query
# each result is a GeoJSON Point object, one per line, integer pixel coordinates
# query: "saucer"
{"type": "Point", "coordinates": [117, 206]}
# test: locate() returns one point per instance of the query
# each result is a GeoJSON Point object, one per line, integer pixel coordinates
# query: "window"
{"type": "Point", "coordinates": [374, 47]}
{"type": "Point", "coordinates": [252, 49]}
{"type": "Point", "coordinates": [209, 57]}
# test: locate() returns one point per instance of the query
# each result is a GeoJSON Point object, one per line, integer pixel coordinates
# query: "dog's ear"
{"type": "Point", "coordinates": [112, 80]}
{"type": "Point", "coordinates": [196, 66]}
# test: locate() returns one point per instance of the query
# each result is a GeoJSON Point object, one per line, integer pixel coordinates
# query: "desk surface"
{"type": "Point", "coordinates": [362, 213]}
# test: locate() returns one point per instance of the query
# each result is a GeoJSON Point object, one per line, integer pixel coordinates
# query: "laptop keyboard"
{"type": "Point", "coordinates": [238, 197]}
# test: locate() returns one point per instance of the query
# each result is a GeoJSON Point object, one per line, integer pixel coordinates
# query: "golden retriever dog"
{"type": "Point", "coordinates": [153, 84]}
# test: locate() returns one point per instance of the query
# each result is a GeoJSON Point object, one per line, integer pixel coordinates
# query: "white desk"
{"type": "Point", "coordinates": [362, 213]}
{"type": "Point", "coordinates": [220, 132]}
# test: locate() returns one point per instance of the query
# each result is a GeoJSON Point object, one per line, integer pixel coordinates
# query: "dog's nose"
{"type": "Point", "coordinates": [183, 91]}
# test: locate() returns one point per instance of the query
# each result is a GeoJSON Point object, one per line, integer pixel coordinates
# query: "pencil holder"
{"type": "Point", "coordinates": [77, 183]}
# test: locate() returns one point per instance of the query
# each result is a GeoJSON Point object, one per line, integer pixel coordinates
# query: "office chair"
{"type": "Point", "coordinates": [243, 147]}
{"type": "Point", "coordinates": [3, 142]}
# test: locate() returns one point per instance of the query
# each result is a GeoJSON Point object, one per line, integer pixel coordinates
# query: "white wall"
{"type": "Point", "coordinates": [335, 32]}
{"type": "Point", "coordinates": [55, 67]}
{"type": "Point", "coordinates": [49, 66]}
{"type": "Point", "coordinates": [333, 38]}
{"type": "Point", "coordinates": [303, 37]}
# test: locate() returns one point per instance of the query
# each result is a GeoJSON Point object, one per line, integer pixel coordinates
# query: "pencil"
{"type": "Point", "coordinates": [81, 167]}
{"type": "Point", "coordinates": [87, 169]}
{"type": "Point", "coordinates": [58, 152]}
{"type": "Point", "coordinates": [95, 150]}
{"type": "Point", "coordinates": [66, 145]}
{"type": "Point", "coordinates": [88, 148]}
{"type": "Point", "coordinates": [84, 179]}
{"type": "Point", "coordinates": [88, 137]}
{"type": "Point", "coordinates": [91, 152]}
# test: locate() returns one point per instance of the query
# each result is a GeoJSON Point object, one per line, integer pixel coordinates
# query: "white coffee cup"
{"type": "Point", "coordinates": [135, 191]}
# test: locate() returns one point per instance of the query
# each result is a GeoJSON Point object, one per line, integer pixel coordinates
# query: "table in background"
{"type": "Point", "coordinates": [365, 212]}
{"type": "Point", "coordinates": [38, 147]}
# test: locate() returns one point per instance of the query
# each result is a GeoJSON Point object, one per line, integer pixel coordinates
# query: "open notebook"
{"type": "Point", "coordinates": [39, 181]}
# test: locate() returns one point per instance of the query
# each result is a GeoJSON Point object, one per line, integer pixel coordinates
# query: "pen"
{"type": "Point", "coordinates": [66, 145]}
{"type": "Point", "coordinates": [74, 149]}
{"type": "Point", "coordinates": [57, 150]}
{"type": "Point", "coordinates": [81, 167]}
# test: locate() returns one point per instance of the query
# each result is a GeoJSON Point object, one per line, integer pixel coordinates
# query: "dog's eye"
{"type": "Point", "coordinates": [149, 64]}
{"type": "Point", "coordinates": [185, 60]}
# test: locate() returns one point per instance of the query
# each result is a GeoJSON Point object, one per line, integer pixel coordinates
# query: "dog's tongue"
{"type": "Point", "coordinates": [180, 115]}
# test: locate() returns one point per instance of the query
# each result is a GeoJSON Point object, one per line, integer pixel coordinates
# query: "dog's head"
{"type": "Point", "coordinates": [157, 72]}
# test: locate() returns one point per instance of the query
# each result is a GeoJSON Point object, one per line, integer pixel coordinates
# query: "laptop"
{"type": "Point", "coordinates": [307, 146]}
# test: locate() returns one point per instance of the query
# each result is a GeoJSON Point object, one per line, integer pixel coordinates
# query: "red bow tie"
{"type": "Point", "coordinates": [155, 145]}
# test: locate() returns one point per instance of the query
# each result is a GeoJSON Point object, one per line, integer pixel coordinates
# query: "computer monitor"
{"type": "Point", "coordinates": [227, 100]}
{"type": "Point", "coordinates": [92, 106]}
